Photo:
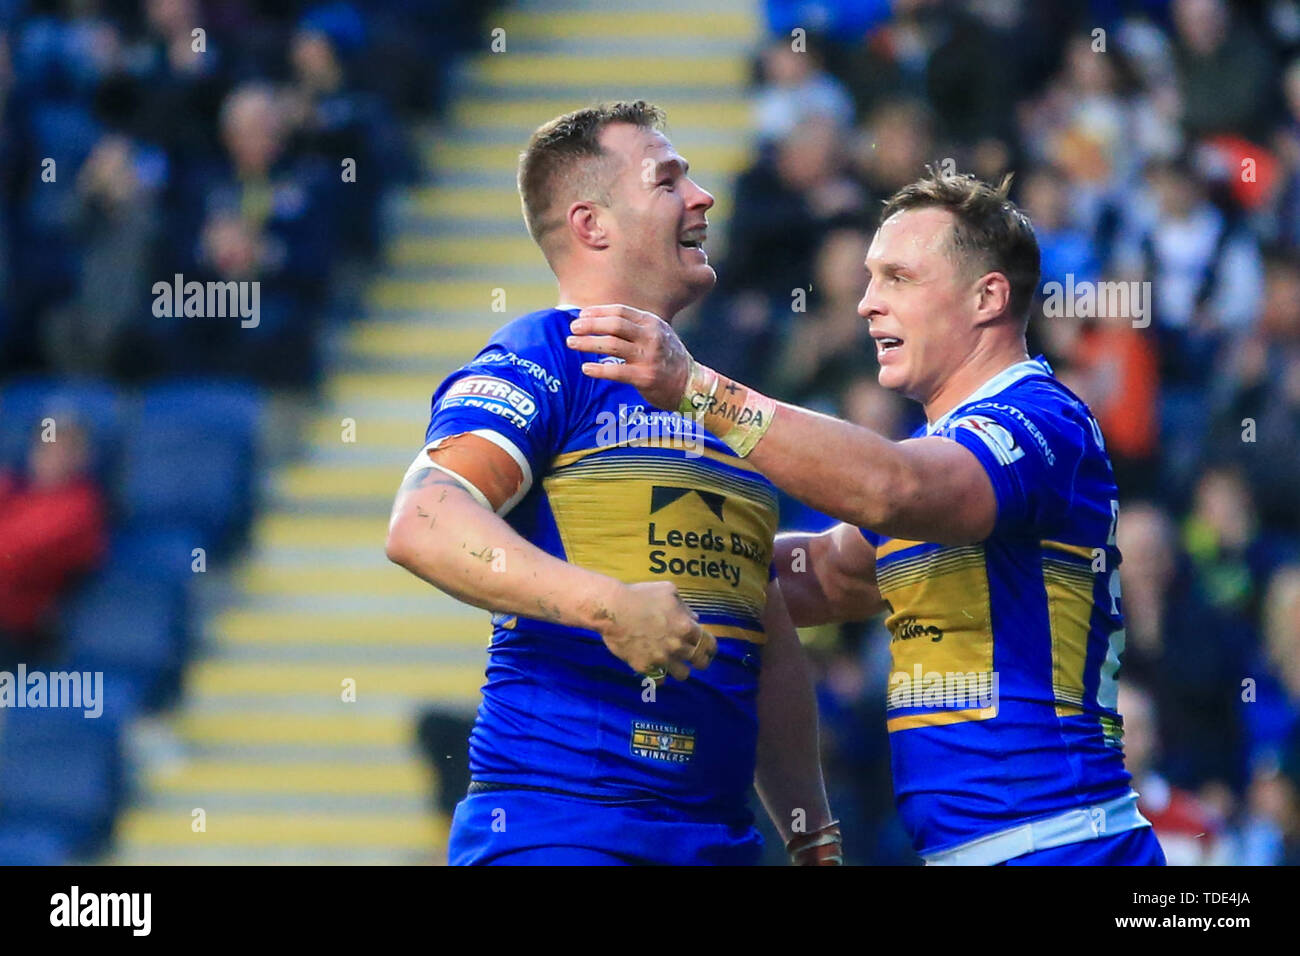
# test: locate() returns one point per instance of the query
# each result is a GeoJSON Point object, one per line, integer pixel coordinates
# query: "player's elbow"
{"type": "Point", "coordinates": [398, 547]}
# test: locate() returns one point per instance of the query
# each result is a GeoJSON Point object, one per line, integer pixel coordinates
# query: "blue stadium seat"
{"type": "Point", "coordinates": [165, 554]}
{"type": "Point", "coordinates": [59, 776]}
{"type": "Point", "coordinates": [133, 628]}
{"type": "Point", "coordinates": [189, 461]}
{"type": "Point", "coordinates": [32, 845]}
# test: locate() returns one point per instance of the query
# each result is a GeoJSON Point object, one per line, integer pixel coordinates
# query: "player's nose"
{"type": "Point", "coordinates": [700, 198]}
{"type": "Point", "coordinates": [871, 304]}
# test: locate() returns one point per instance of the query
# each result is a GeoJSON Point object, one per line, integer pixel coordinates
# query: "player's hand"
{"type": "Point", "coordinates": [652, 630]}
{"type": "Point", "coordinates": [655, 361]}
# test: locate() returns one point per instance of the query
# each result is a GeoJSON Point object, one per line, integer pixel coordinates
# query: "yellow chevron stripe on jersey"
{"type": "Point", "coordinates": [939, 718]}
{"type": "Point", "coordinates": [904, 571]}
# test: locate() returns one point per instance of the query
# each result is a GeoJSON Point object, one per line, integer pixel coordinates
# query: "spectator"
{"type": "Point", "coordinates": [830, 344]}
{"type": "Point", "coordinates": [1186, 651]}
{"type": "Point", "coordinates": [893, 149]}
{"type": "Point", "coordinates": [1189, 830]}
{"type": "Point", "coordinates": [1084, 121]}
{"type": "Point", "coordinates": [784, 204]}
{"type": "Point", "coordinates": [1256, 399]}
{"type": "Point", "coordinates": [1065, 246]}
{"type": "Point", "coordinates": [1224, 71]}
{"type": "Point", "coordinates": [1114, 368]}
{"type": "Point", "coordinates": [265, 217]}
{"type": "Point", "coordinates": [52, 530]}
{"type": "Point", "coordinates": [1233, 555]}
{"type": "Point", "coordinates": [795, 88]}
{"type": "Point", "coordinates": [1271, 834]}
{"type": "Point", "coordinates": [117, 214]}
{"type": "Point", "coordinates": [948, 56]}
{"type": "Point", "coordinates": [1273, 715]}
{"type": "Point", "coordinates": [336, 122]}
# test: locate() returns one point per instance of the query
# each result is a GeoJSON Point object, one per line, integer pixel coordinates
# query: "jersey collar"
{"type": "Point", "coordinates": [998, 383]}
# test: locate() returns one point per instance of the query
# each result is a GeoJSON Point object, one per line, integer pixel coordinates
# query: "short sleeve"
{"type": "Point", "coordinates": [513, 394]}
{"type": "Point", "coordinates": [1030, 454]}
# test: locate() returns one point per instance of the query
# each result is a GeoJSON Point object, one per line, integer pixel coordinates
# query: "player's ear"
{"type": "Point", "coordinates": [585, 223]}
{"type": "Point", "coordinates": [992, 297]}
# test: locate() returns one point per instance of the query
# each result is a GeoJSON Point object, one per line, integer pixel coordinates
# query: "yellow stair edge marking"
{"type": "Point", "coordinates": [350, 481]}
{"type": "Point", "coordinates": [633, 24]}
{"type": "Point", "coordinates": [316, 777]}
{"type": "Point", "coordinates": [298, 829]}
{"type": "Point", "coordinates": [280, 530]}
{"type": "Point", "coordinates": [565, 70]}
{"type": "Point", "coordinates": [713, 113]}
{"type": "Point", "coordinates": [472, 251]}
{"type": "Point", "coordinates": [403, 386]}
{"type": "Point", "coordinates": [387, 433]}
{"type": "Point", "coordinates": [710, 160]}
{"type": "Point", "coordinates": [449, 203]}
{"type": "Point", "coordinates": [253, 627]}
{"type": "Point", "coordinates": [272, 727]}
{"type": "Point", "coordinates": [228, 678]}
{"type": "Point", "coordinates": [458, 295]}
{"type": "Point", "coordinates": [381, 580]}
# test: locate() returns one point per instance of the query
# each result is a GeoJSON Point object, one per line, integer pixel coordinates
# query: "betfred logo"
{"type": "Point", "coordinates": [494, 395]}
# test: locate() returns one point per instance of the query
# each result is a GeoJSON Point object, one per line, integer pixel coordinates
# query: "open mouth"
{"type": "Point", "coordinates": [694, 238]}
{"type": "Point", "coordinates": [887, 343]}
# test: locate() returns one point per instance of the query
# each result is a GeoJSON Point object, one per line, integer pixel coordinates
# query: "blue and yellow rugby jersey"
{"type": "Point", "coordinates": [1002, 697]}
{"type": "Point", "coordinates": [640, 495]}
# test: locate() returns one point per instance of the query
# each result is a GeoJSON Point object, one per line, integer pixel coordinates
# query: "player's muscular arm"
{"type": "Point", "coordinates": [924, 489]}
{"type": "Point", "coordinates": [828, 577]}
{"type": "Point", "coordinates": [442, 534]}
{"type": "Point", "coordinates": [921, 489]}
{"type": "Point", "coordinates": [788, 773]}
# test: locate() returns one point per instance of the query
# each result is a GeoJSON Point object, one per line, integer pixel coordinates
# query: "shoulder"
{"type": "Point", "coordinates": [1036, 413]}
{"type": "Point", "coordinates": [532, 347]}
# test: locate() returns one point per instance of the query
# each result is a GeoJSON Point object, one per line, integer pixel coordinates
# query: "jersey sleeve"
{"type": "Point", "coordinates": [514, 394]}
{"type": "Point", "coordinates": [1031, 453]}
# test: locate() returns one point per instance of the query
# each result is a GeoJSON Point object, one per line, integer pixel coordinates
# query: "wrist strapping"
{"type": "Point", "coordinates": [737, 414]}
{"type": "Point", "coordinates": [823, 847]}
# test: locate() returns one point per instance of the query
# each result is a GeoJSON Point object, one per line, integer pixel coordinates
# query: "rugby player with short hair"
{"type": "Point", "coordinates": [615, 543]}
{"type": "Point", "coordinates": [988, 537]}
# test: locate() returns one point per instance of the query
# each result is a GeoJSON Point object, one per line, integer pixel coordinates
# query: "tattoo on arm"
{"type": "Point", "coordinates": [429, 477]}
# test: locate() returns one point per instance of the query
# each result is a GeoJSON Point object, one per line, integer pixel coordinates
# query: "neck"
{"type": "Point", "coordinates": [982, 366]}
{"type": "Point", "coordinates": [596, 288]}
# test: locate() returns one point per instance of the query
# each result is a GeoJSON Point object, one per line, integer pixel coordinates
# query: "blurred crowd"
{"type": "Point", "coordinates": [1152, 141]}
{"type": "Point", "coordinates": [136, 145]}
